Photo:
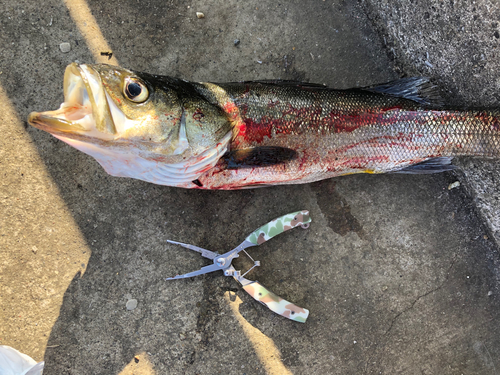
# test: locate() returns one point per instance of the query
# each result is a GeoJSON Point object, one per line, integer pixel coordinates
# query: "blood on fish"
{"type": "Point", "coordinates": [295, 120]}
{"type": "Point", "coordinates": [256, 131]}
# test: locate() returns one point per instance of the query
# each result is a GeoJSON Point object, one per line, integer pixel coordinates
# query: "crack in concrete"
{"type": "Point", "coordinates": [411, 307]}
{"type": "Point", "coordinates": [420, 297]}
{"type": "Point", "coordinates": [393, 321]}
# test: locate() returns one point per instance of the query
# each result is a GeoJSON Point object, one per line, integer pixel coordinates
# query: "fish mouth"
{"type": "Point", "coordinates": [85, 110]}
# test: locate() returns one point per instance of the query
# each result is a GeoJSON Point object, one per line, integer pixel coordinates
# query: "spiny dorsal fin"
{"type": "Point", "coordinates": [418, 89]}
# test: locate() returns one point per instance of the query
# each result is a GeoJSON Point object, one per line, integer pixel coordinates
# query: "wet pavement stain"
{"type": "Point", "coordinates": [336, 209]}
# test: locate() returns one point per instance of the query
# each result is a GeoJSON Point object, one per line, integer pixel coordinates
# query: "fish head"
{"type": "Point", "coordinates": [155, 128]}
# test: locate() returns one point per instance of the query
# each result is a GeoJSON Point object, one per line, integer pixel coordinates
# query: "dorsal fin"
{"type": "Point", "coordinates": [418, 89]}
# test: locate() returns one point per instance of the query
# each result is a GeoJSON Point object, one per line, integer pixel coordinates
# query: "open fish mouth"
{"type": "Point", "coordinates": [85, 110]}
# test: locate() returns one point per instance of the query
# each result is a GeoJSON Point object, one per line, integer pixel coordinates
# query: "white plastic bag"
{"type": "Point", "coordinates": [13, 362]}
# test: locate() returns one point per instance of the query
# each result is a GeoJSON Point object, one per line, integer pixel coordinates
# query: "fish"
{"type": "Point", "coordinates": [203, 135]}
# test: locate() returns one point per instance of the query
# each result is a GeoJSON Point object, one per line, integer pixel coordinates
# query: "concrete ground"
{"type": "Point", "coordinates": [399, 272]}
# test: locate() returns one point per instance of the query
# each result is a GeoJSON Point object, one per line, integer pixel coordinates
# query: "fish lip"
{"type": "Point", "coordinates": [43, 121]}
{"type": "Point", "coordinates": [78, 93]}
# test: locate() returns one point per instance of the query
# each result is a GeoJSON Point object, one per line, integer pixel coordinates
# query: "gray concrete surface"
{"type": "Point", "coordinates": [456, 43]}
{"type": "Point", "coordinates": [399, 272]}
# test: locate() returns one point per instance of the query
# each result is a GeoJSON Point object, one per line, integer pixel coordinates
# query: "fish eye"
{"type": "Point", "coordinates": [135, 90]}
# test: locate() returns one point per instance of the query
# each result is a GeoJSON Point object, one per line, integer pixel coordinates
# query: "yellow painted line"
{"type": "Point", "coordinates": [264, 347]}
{"type": "Point", "coordinates": [90, 30]}
{"type": "Point", "coordinates": [41, 246]}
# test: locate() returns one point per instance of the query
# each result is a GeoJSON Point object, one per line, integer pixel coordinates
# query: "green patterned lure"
{"type": "Point", "coordinates": [254, 288]}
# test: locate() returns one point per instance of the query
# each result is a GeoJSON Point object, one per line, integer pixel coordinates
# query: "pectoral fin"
{"type": "Point", "coordinates": [258, 157]}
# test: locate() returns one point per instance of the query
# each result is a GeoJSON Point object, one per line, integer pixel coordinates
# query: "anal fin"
{"type": "Point", "coordinates": [434, 165]}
